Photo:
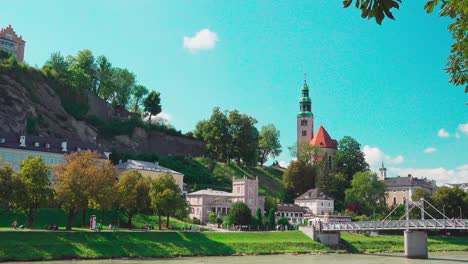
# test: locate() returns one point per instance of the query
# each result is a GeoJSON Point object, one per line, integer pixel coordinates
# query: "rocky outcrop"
{"type": "Point", "coordinates": [28, 102]}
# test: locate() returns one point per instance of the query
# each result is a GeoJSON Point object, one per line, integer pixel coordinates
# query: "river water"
{"type": "Point", "coordinates": [451, 257]}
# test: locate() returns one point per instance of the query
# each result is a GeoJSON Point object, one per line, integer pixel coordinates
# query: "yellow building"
{"type": "Point", "coordinates": [153, 170]}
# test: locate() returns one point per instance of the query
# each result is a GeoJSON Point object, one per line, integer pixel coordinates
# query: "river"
{"type": "Point", "coordinates": [450, 257]}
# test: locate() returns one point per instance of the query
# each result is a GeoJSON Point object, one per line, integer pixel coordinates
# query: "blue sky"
{"type": "Point", "coordinates": [383, 85]}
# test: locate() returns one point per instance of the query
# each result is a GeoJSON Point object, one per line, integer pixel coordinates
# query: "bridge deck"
{"type": "Point", "coordinates": [398, 225]}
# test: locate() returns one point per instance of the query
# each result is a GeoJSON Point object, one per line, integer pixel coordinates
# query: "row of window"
{"type": "Point", "coordinates": [8, 44]}
{"type": "Point", "coordinates": [290, 214]}
{"type": "Point", "coordinates": [14, 158]}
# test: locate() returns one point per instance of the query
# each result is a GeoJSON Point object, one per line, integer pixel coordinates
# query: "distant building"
{"type": "Point", "coordinates": [14, 148]}
{"type": "Point", "coordinates": [463, 186]}
{"type": "Point", "coordinates": [400, 189]}
{"type": "Point", "coordinates": [317, 202]}
{"type": "Point", "coordinates": [12, 43]}
{"type": "Point", "coordinates": [153, 170]}
{"type": "Point", "coordinates": [203, 202]}
{"type": "Point", "coordinates": [305, 127]}
{"type": "Point", "coordinates": [293, 212]}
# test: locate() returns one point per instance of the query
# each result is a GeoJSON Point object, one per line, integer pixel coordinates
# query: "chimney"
{"type": "Point", "coordinates": [22, 141]}
{"type": "Point", "coordinates": [64, 146]}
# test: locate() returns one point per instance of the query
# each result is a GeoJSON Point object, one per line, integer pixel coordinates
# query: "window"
{"type": "Point", "coordinates": [394, 200]}
{"type": "Point", "coordinates": [36, 144]}
{"type": "Point", "coordinates": [304, 122]}
{"type": "Point", "coordinates": [238, 189]}
{"type": "Point", "coordinates": [2, 140]}
{"type": "Point", "coordinates": [304, 133]}
{"type": "Point", "coordinates": [47, 146]}
{"type": "Point", "coordinates": [9, 36]}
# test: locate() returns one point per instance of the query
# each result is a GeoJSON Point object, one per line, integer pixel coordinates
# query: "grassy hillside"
{"type": "Point", "coordinates": [201, 173]}
{"type": "Point", "coordinates": [58, 245]}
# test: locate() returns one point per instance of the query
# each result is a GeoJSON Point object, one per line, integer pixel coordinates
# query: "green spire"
{"type": "Point", "coordinates": [305, 104]}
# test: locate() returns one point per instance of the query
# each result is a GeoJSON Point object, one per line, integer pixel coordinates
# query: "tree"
{"type": "Point", "coordinates": [268, 143]}
{"type": "Point", "coordinates": [8, 187]}
{"type": "Point", "coordinates": [368, 192]}
{"type": "Point", "coordinates": [455, 9]}
{"type": "Point", "coordinates": [298, 178]}
{"type": "Point", "coordinates": [84, 64]}
{"type": "Point", "coordinates": [104, 87]}
{"type": "Point", "coordinates": [271, 217]}
{"type": "Point", "coordinates": [133, 194]}
{"type": "Point", "coordinates": [138, 92]}
{"type": "Point", "coordinates": [165, 197]}
{"type": "Point", "coordinates": [307, 153]}
{"type": "Point", "coordinates": [240, 214]}
{"type": "Point", "coordinates": [33, 190]}
{"type": "Point", "coordinates": [103, 188]}
{"type": "Point", "coordinates": [212, 218]}
{"type": "Point", "coordinates": [453, 200]}
{"type": "Point", "coordinates": [244, 136]}
{"type": "Point", "coordinates": [123, 82]}
{"type": "Point", "coordinates": [76, 184]}
{"type": "Point", "coordinates": [259, 216]}
{"type": "Point", "coordinates": [349, 159]}
{"type": "Point", "coordinates": [57, 65]}
{"type": "Point", "coordinates": [152, 104]}
{"type": "Point", "coordinates": [331, 183]}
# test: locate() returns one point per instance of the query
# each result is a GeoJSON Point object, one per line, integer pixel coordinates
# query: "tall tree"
{"type": "Point", "coordinates": [8, 187]}
{"type": "Point", "coordinates": [349, 159]}
{"type": "Point", "coordinates": [133, 194]}
{"type": "Point", "coordinates": [165, 197]}
{"type": "Point", "coordinates": [331, 183]}
{"type": "Point", "coordinates": [104, 87]}
{"type": "Point", "coordinates": [240, 214]}
{"type": "Point", "coordinates": [34, 190]}
{"type": "Point", "coordinates": [244, 136]}
{"type": "Point", "coordinates": [75, 182]}
{"type": "Point", "coordinates": [85, 62]}
{"type": "Point", "coordinates": [368, 192]}
{"type": "Point", "coordinates": [307, 153]}
{"type": "Point", "coordinates": [215, 133]}
{"type": "Point", "coordinates": [138, 92]}
{"type": "Point", "coordinates": [271, 217]}
{"type": "Point", "coordinates": [57, 65]}
{"type": "Point", "coordinates": [454, 201]}
{"type": "Point", "coordinates": [123, 82]}
{"type": "Point", "coordinates": [298, 178]}
{"type": "Point", "coordinates": [456, 9]}
{"type": "Point", "coordinates": [152, 104]}
{"type": "Point", "coordinates": [259, 217]}
{"type": "Point", "coordinates": [268, 143]}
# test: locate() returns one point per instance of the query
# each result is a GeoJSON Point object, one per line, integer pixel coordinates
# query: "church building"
{"type": "Point", "coordinates": [305, 127]}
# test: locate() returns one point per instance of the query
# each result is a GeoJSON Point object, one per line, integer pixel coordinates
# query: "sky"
{"type": "Point", "coordinates": [384, 85]}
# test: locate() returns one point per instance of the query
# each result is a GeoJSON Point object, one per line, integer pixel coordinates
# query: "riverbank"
{"type": "Point", "coordinates": [41, 245]}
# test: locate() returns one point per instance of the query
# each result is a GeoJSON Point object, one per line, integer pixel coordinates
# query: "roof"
{"type": "Point", "coordinates": [144, 166]}
{"type": "Point", "coordinates": [314, 194]}
{"type": "Point", "coordinates": [45, 143]}
{"type": "Point", "coordinates": [322, 139]}
{"type": "Point", "coordinates": [290, 208]}
{"type": "Point", "coordinates": [211, 192]}
{"type": "Point", "coordinates": [409, 181]}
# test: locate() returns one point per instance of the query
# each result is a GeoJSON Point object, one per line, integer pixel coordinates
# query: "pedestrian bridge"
{"type": "Point", "coordinates": [417, 224]}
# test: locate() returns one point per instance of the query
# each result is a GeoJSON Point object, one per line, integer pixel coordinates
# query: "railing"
{"type": "Point", "coordinates": [397, 225]}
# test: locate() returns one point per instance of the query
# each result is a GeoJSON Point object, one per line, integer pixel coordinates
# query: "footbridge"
{"type": "Point", "coordinates": [415, 230]}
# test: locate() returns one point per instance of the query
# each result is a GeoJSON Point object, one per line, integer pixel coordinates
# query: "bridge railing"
{"type": "Point", "coordinates": [397, 225]}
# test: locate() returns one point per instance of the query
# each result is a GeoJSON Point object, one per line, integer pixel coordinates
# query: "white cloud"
{"type": "Point", "coordinates": [457, 135]}
{"type": "Point", "coordinates": [443, 133]}
{"type": "Point", "coordinates": [203, 40]}
{"type": "Point", "coordinates": [430, 150]}
{"type": "Point", "coordinates": [463, 128]}
{"type": "Point", "coordinates": [284, 164]}
{"type": "Point", "coordinates": [441, 175]}
{"type": "Point", "coordinates": [161, 118]}
{"type": "Point", "coordinates": [374, 156]}
{"type": "Point", "coordinates": [165, 116]}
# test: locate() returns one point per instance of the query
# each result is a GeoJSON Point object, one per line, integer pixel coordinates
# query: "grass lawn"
{"type": "Point", "coordinates": [360, 243]}
{"type": "Point", "coordinates": [60, 245]}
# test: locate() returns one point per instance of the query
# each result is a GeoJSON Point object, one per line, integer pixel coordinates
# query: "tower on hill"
{"type": "Point", "coordinates": [305, 118]}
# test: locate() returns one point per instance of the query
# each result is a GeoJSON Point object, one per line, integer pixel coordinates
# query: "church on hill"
{"type": "Point", "coordinates": [305, 127]}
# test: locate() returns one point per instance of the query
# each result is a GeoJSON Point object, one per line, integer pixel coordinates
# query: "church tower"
{"type": "Point", "coordinates": [383, 172]}
{"type": "Point", "coordinates": [305, 118]}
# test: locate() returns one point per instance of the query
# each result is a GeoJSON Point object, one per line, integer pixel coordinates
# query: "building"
{"type": "Point", "coordinates": [400, 189]}
{"type": "Point", "coordinates": [305, 127]}
{"type": "Point", "coordinates": [317, 202]}
{"type": "Point", "coordinates": [293, 212]}
{"type": "Point", "coordinates": [463, 186]}
{"type": "Point", "coordinates": [14, 148]}
{"type": "Point", "coordinates": [150, 169]}
{"type": "Point", "coordinates": [12, 43]}
{"type": "Point", "coordinates": [203, 202]}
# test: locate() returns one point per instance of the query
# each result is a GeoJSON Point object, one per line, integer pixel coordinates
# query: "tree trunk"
{"type": "Point", "coordinates": [167, 221]}
{"type": "Point", "coordinates": [71, 218]}
{"type": "Point", "coordinates": [129, 221]}
{"type": "Point", "coordinates": [31, 218]}
{"type": "Point", "coordinates": [159, 221]}
{"type": "Point", "coordinates": [83, 220]}
{"type": "Point", "coordinates": [136, 104]}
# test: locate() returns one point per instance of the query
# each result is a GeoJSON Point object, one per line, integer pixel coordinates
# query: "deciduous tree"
{"type": "Point", "coordinates": [349, 159]}
{"type": "Point", "coordinates": [138, 92]}
{"type": "Point", "coordinates": [152, 104]}
{"type": "Point", "coordinates": [368, 192]}
{"type": "Point", "coordinates": [244, 136]}
{"type": "Point", "coordinates": [165, 197]}
{"type": "Point", "coordinates": [298, 178]}
{"type": "Point", "coordinates": [240, 214]}
{"type": "Point", "coordinates": [268, 143]}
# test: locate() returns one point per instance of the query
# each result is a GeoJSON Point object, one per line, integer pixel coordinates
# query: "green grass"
{"type": "Point", "coordinates": [360, 243]}
{"type": "Point", "coordinates": [53, 245]}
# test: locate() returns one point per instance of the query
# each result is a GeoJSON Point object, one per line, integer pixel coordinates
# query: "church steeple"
{"type": "Point", "coordinates": [305, 118]}
{"type": "Point", "coordinates": [383, 172]}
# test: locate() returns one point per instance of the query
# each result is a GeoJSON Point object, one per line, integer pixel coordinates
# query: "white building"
{"type": "Point", "coordinates": [317, 202]}
{"type": "Point", "coordinates": [293, 212]}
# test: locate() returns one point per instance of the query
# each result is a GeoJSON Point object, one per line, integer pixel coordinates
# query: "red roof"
{"type": "Point", "coordinates": [322, 139]}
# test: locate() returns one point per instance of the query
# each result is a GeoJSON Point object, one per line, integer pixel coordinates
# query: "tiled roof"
{"type": "Point", "coordinates": [322, 139]}
{"type": "Point", "coordinates": [408, 182]}
{"type": "Point", "coordinates": [144, 166]}
{"type": "Point", "coordinates": [44, 144]}
{"type": "Point", "coordinates": [211, 192]}
{"type": "Point", "coordinates": [313, 194]}
{"type": "Point", "coordinates": [290, 208]}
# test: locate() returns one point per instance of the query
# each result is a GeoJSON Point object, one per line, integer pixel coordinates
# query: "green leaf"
{"type": "Point", "coordinates": [347, 3]}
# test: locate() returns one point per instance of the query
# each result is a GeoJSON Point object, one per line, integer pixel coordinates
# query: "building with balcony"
{"type": "Point", "coordinates": [317, 202]}
{"type": "Point", "coordinates": [12, 43]}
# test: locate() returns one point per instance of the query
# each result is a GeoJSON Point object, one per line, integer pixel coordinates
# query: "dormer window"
{"type": "Point", "coordinates": [9, 36]}
{"type": "Point", "coordinates": [2, 140]}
